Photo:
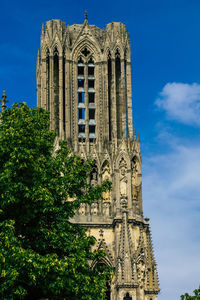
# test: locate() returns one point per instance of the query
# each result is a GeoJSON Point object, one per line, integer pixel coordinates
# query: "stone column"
{"type": "Point", "coordinates": [105, 102]}
{"type": "Point", "coordinates": [61, 132]}
{"type": "Point", "coordinates": [129, 99]}
{"type": "Point", "coordinates": [122, 100]}
{"type": "Point", "coordinates": [113, 105]}
{"type": "Point", "coordinates": [74, 109]}
{"type": "Point", "coordinates": [68, 98]}
{"type": "Point", "coordinates": [52, 119]}
{"type": "Point", "coordinates": [43, 101]}
{"type": "Point", "coordinates": [38, 79]}
{"type": "Point", "coordinates": [39, 87]}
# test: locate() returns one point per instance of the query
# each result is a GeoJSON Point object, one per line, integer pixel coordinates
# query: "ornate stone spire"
{"type": "Point", "coordinates": [3, 101]}
{"type": "Point", "coordinates": [86, 17]}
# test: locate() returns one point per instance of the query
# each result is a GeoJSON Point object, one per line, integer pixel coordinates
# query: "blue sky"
{"type": "Point", "coordinates": [165, 43]}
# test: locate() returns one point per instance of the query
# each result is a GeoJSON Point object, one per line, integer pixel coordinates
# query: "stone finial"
{"type": "Point", "coordinates": [3, 101]}
{"type": "Point", "coordinates": [86, 15]}
{"type": "Point", "coordinates": [123, 201]}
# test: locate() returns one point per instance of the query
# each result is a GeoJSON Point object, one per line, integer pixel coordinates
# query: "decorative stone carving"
{"type": "Point", "coordinates": [141, 273]}
{"type": "Point", "coordinates": [135, 178]}
{"type": "Point", "coordinates": [94, 208]}
{"type": "Point", "coordinates": [93, 177]}
{"type": "Point", "coordinates": [123, 177]}
{"type": "Point", "coordinates": [106, 176]}
{"type": "Point", "coordinates": [127, 272]}
{"type": "Point", "coordinates": [106, 209]}
{"type": "Point", "coordinates": [82, 209]}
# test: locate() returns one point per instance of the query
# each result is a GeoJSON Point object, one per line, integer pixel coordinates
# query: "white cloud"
{"type": "Point", "coordinates": [171, 197]}
{"type": "Point", "coordinates": [181, 102]}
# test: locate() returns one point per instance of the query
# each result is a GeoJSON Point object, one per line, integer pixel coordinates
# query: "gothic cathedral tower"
{"type": "Point", "coordinates": [84, 80]}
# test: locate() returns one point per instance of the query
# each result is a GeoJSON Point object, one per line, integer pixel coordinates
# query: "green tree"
{"type": "Point", "coordinates": [196, 296]}
{"type": "Point", "coordinates": [42, 254]}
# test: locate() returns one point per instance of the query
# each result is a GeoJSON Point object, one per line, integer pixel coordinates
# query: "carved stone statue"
{"type": "Point", "coordinates": [94, 208]}
{"type": "Point", "coordinates": [106, 176]}
{"type": "Point", "coordinates": [106, 209]}
{"type": "Point", "coordinates": [94, 178]}
{"type": "Point", "coordinates": [123, 182]}
{"type": "Point", "coordinates": [141, 273]}
{"type": "Point", "coordinates": [82, 209]}
{"type": "Point", "coordinates": [135, 179]}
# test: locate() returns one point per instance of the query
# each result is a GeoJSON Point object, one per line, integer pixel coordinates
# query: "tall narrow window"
{"type": "Point", "coordinates": [56, 89]}
{"type": "Point", "coordinates": [90, 68]}
{"type": "Point", "coordinates": [86, 98]}
{"type": "Point", "coordinates": [91, 97]}
{"type": "Point", "coordinates": [91, 100]}
{"type": "Point", "coordinates": [81, 100]}
{"type": "Point", "coordinates": [118, 93]}
{"type": "Point", "coordinates": [109, 93]}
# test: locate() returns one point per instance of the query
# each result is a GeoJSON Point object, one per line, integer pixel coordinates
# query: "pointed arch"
{"type": "Point", "coordinates": [47, 51]}
{"type": "Point", "coordinates": [105, 162]}
{"type": "Point", "coordinates": [94, 174]}
{"type": "Point", "coordinates": [136, 158]}
{"type": "Point", "coordinates": [86, 43]}
{"type": "Point", "coordinates": [107, 52]}
{"type": "Point", "coordinates": [118, 49]}
{"type": "Point", "coordinates": [106, 170]}
{"type": "Point", "coordinates": [105, 262]}
{"type": "Point", "coordinates": [57, 44]}
{"type": "Point", "coordinates": [121, 155]}
{"type": "Point", "coordinates": [108, 259]}
{"type": "Point", "coordinates": [127, 297]}
{"type": "Point", "coordinates": [55, 49]}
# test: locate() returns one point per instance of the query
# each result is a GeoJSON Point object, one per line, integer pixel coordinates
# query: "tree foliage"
{"type": "Point", "coordinates": [196, 295]}
{"type": "Point", "coordinates": [42, 254]}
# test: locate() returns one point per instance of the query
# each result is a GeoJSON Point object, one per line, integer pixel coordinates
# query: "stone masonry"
{"type": "Point", "coordinates": [84, 80]}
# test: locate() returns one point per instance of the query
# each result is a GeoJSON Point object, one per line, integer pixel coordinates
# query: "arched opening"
{"type": "Point", "coordinates": [81, 99]}
{"type": "Point", "coordinates": [94, 176]}
{"type": "Point", "coordinates": [118, 93]}
{"type": "Point", "coordinates": [56, 88]}
{"type": "Point", "coordinates": [91, 100]}
{"type": "Point", "coordinates": [109, 65]}
{"type": "Point", "coordinates": [127, 297]}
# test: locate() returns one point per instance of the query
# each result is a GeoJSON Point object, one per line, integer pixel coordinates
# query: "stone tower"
{"type": "Point", "coordinates": [84, 80]}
